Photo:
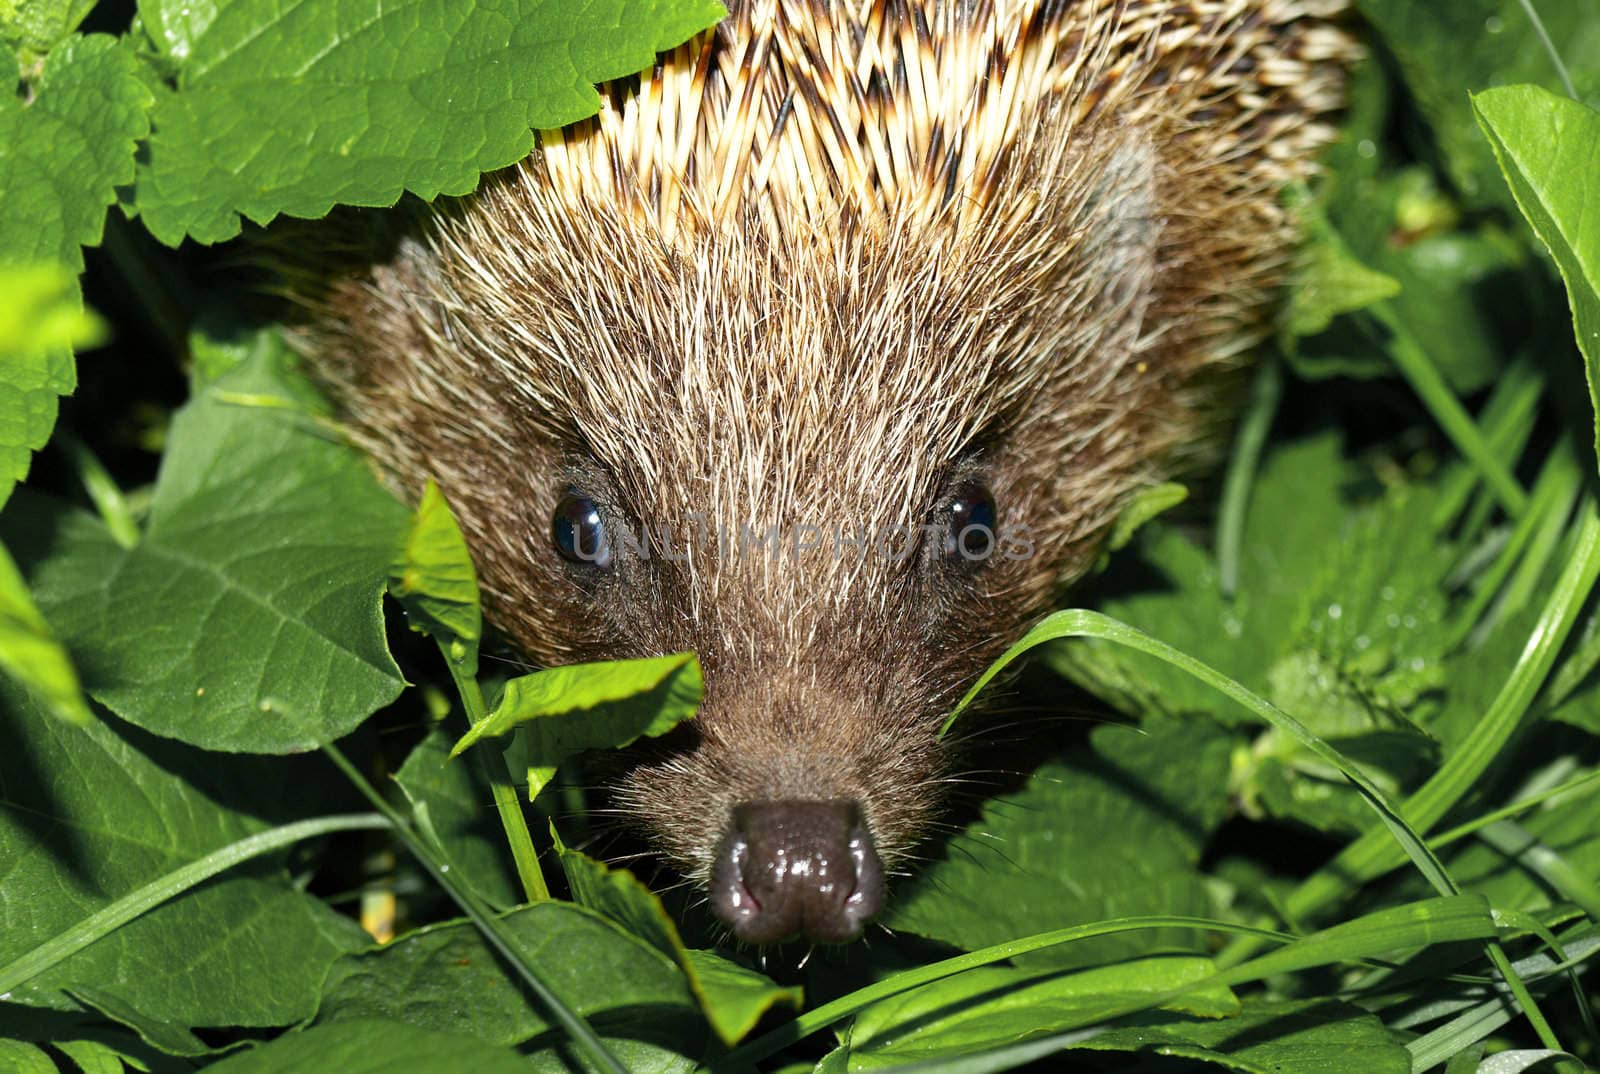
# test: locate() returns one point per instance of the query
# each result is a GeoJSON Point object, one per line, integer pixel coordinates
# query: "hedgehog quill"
{"type": "Point", "coordinates": [967, 273]}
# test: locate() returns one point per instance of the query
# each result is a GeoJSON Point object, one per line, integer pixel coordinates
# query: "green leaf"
{"type": "Point", "coordinates": [446, 978]}
{"type": "Point", "coordinates": [1448, 50]}
{"type": "Point", "coordinates": [1045, 848]}
{"type": "Point", "coordinates": [373, 1048]}
{"type": "Point", "coordinates": [606, 705]}
{"type": "Point", "coordinates": [291, 109]}
{"type": "Point", "coordinates": [33, 26]}
{"type": "Point", "coordinates": [733, 998]}
{"type": "Point", "coordinates": [90, 814]}
{"type": "Point", "coordinates": [23, 1058]}
{"type": "Point", "coordinates": [30, 653]}
{"type": "Point", "coordinates": [63, 154]}
{"type": "Point", "coordinates": [1148, 503]}
{"type": "Point", "coordinates": [1399, 928]}
{"type": "Point", "coordinates": [449, 802]}
{"type": "Point", "coordinates": [42, 312]}
{"type": "Point", "coordinates": [1329, 280]}
{"type": "Point", "coordinates": [92, 1057]}
{"type": "Point", "coordinates": [434, 580]}
{"type": "Point", "coordinates": [1309, 1037]}
{"type": "Point", "coordinates": [1549, 151]}
{"type": "Point", "coordinates": [996, 1006]}
{"type": "Point", "coordinates": [614, 697]}
{"type": "Point", "coordinates": [248, 617]}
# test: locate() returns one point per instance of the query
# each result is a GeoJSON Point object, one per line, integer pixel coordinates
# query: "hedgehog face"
{"type": "Point", "coordinates": [737, 365]}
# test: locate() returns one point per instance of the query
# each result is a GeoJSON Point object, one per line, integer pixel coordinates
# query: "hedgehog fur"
{"type": "Point", "coordinates": [815, 268]}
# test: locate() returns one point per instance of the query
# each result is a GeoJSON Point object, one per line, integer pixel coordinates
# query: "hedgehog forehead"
{"type": "Point", "coordinates": [765, 387]}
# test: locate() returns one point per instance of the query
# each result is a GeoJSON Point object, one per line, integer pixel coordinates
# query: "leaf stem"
{"type": "Point", "coordinates": [576, 1026]}
{"type": "Point", "coordinates": [502, 782]}
{"type": "Point", "coordinates": [119, 913]}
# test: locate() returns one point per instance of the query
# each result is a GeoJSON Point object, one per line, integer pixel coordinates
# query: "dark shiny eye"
{"type": "Point", "coordinates": [969, 523]}
{"type": "Point", "coordinates": [579, 532]}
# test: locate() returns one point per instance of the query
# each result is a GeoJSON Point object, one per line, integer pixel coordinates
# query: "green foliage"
{"type": "Point", "coordinates": [277, 109]}
{"type": "Point", "coordinates": [375, 1048]}
{"type": "Point", "coordinates": [1396, 632]}
{"type": "Point", "coordinates": [446, 978]}
{"type": "Point", "coordinates": [1547, 146]}
{"type": "Point", "coordinates": [92, 813]}
{"type": "Point", "coordinates": [269, 642]}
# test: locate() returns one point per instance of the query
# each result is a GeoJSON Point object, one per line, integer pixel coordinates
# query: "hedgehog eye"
{"type": "Point", "coordinates": [579, 532]}
{"type": "Point", "coordinates": [967, 519]}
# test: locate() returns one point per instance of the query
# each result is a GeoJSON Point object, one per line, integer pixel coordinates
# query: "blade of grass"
{"type": "Point", "coordinates": [1517, 843]}
{"type": "Point", "coordinates": [502, 783]}
{"type": "Point", "coordinates": [1265, 395]}
{"type": "Point", "coordinates": [1550, 46]}
{"type": "Point", "coordinates": [1481, 1019]}
{"type": "Point", "coordinates": [1507, 421]}
{"type": "Point", "coordinates": [65, 944]}
{"type": "Point", "coordinates": [1581, 785]}
{"type": "Point", "coordinates": [1414, 925]}
{"type": "Point", "coordinates": [101, 488]}
{"type": "Point", "coordinates": [1554, 493]}
{"type": "Point", "coordinates": [1434, 391]}
{"type": "Point", "coordinates": [813, 1021]}
{"type": "Point", "coordinates": [1083, 623]}
{"type": "Point", "coordinates": [575, 1025]}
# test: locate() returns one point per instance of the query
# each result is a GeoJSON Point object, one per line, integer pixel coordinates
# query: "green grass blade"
{"type": "Point", "coordinates": [1082, 623]}
{"type": "Point", "coordinates": [175, 883]}
{"type": "Point", "coordinates": [1554, 493]}
{"type": "Point", "coordinates": [1400, 928]}
{"type": "Point", "coordinates": [1434, 391]}
{"type": "Point", "coordinates": [1550, 46]}
{"type": "Point", "coordinates": [837, 1010]}
{"type": "Point", "coordinates": [575, 1025]}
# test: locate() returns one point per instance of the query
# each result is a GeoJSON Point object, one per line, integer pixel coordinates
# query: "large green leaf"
{"type": "Point", "coordinates": [1549, 151]}
{"type": "Point", "coordinates": [248, 616]}
{"type": "Point", "coordinates": [1312, 1037]}
{"type": "Point", "coordinates": [374, 1047]}
{"type": "Point", "coordinates": [293, 108]}
{"type": "Point", "coordinates": [89, 814]}
{"type": "Point", "coordinates": [1045, 848]}
{"type": "Point", "coordinates": [446, 978]}
{"type": "Point", "coordinates": [997, 1006]}
{"type": "Point", "coordinates": [62, 154]}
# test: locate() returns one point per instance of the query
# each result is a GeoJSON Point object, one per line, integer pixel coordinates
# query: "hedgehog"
{"type": "Point", "coordinates": [828, 350]}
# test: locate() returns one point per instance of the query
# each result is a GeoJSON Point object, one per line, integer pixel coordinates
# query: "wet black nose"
{"type": "Point", "coordinates": [794, 868]}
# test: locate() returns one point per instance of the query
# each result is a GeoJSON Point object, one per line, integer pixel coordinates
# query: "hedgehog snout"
{"type": "Point", "coordinates": [789, 868]}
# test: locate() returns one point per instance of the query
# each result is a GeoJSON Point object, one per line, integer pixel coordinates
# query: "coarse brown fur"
{"type": "Point", "coordinates": [813, 269]}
